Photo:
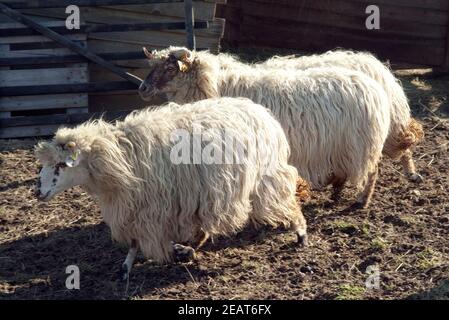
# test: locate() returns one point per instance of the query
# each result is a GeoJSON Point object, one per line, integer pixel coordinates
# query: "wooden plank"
{"type": "Point", "coordinates": [38, 39]}
{"type": "Point", "coordinates": [99, 75]}
{"type": "Point", "coordinates": [115, 102]}
{"type": "Point", "coordinates": [41, 102]}
{"type": "Point", "coordinates": [39, 77]}
{"type": "Point", "coordinates": [72, 118]}
{"type": "Point", "coordinates": [67, 43]}
{"type": "Point", "coordinates": [446, 58]}
{"type": "Point", "coordinates": [118, 42]}
{"type": "Point", "coordinates": [105, 28]}
{"type": "Point", "coordinates": [419, 4]}
{"type": "Point", "coordinates": [309, 30]}
{"type": "Point", "coordinates": [189, 24]}
{"type": "Point", "coordinates": [80, 3]}
{"type": "Point", "coordinates": [28, 131]}
{"type": "Point", "coordinates": [77, 110]}
{"type": "Point", "coordinates": [69, 58]}
{"type": "Point", "coordinates": [389, 27]}
{"type": "Point", "coordinates": [316, 40]}
{"type": "Point", "coordinates": [5, 114]}
{"type": "Point", "coordinates": [203, 10]}
{"type": "Point", "coordinates": [102, 15]}
{"type": "Point", "coordinates": [353, 9]}
{"type": "Point", "coordinates": [67, 88]}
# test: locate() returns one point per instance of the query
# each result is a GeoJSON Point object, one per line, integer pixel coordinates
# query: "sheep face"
{"type": "Point", "coordinates": [167, 72]}
{"type": "Point", "coordinates": [60, 172]}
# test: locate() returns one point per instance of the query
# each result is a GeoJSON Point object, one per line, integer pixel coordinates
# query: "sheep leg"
{"type": "Point", "coordinates": [300, 228]}
{"type": "Point", "coordinates": [365, 197]}
{"type": "Point", "coordinates": [338, 184]}
{"type": "Point", "coordinates": [409, 167]}
{"type": "Point", "coordinates": [184, 253]}
{"type": "Point", "coordinates": [201, 240]}
{"type": "Point", "coordinates": [128, 263]}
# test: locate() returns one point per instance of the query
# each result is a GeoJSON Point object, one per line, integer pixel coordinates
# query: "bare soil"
{"type": "Point", "coordinates": [404, 233]}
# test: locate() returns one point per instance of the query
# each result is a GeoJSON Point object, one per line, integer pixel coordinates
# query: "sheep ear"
{"type": "Point", "coordinates": [148, 54]}
{"type": "Point", "coordinates": [183, 66]}
{"type": "Point", "coordinates": [73, 159]}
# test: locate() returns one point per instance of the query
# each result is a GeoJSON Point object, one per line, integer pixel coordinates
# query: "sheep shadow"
{"type": "Point", "coordinates": [439, 292]}
{"type": "Point", "coordinates": [34, 267]}
{"type": "Point", "coordinates": [16, 184]}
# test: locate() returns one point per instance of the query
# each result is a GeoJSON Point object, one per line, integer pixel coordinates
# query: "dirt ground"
{"type": "Point", "coordinates": [405, 233]}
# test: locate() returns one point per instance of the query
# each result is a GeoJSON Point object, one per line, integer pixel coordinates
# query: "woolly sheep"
{"type": "Point", "coordinates": [405, 132]}
{"type": "Point", "coordinates": [152, 201]}
{"type": "Point", "coordinates": [336, 119]}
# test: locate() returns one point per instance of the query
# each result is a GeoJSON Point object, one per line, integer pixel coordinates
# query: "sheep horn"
{"type": "Point", "coordinates": [148, 54]}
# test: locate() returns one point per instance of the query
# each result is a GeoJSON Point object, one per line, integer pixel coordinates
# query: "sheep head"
{"type": "Point", "coordinates": [63, 168]}
{"type": "Point", "coordinates": [169, 69]}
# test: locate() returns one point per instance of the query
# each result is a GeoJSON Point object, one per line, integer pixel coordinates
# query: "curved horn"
{"type": "Point", "coordinates": [148, 54]}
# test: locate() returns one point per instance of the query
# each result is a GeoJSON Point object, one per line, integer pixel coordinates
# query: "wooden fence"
{"type": "Point", "coordinates": [43, 84]}
{"type": "Point", "coordinates": [411, 31]}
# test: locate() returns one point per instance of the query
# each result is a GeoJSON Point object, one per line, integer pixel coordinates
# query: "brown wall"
{"type": "Point", "coordinates": [411, 31]}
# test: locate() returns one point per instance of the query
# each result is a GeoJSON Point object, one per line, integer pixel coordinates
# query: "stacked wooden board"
{"type": "Point", "coordinates": [411, 31]}
{"type": "Point", "coordinates": [75, 87]}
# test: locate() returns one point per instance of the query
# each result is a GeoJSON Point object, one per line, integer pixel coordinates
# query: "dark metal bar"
{"type": "Point", "coordinates": [67, 43]}
{"type": "Point", "coordinates": [10, 32]}
{"type": "Point", "coordinates": [68, 88]}
{"type": "Point", "coordinates": [189, 16]}
{"type": "Point", "coordinates": [80, 3]}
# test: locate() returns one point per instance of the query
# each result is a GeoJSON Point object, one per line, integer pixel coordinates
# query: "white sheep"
{"type": "Point", "coordinates": [336, 119]}
{"type": "Point", "coordinates": [405, 132]}
{"type": "Point", "coordinates": [153, 190]}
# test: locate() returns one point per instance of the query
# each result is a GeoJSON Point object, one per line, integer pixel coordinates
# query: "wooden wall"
{"type": "Point", "coordinates": [22, 114]}
{"type": "Point", "coordinates": [411, 31]}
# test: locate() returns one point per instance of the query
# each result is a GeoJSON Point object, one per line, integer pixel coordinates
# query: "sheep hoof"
{"type": "Point", "coordinates": [416, 177]}
{"type": "Point", "coordinates": [123, 273]}
{"type": "Point", "coordinates": [302, 240]}
{"type": "Point", "coordinates": [358, 205]}
{"type": "Point", "coordinates": [183, 253]}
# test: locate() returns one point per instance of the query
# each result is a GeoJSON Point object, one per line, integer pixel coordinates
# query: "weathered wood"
{"type": "Point", "coordinates": [189, 19]}
{"type": "Point", "coordinates": [203, 10]}
{"type": "Point", "coordinates": [17, 61]}
{"type": "Point", "coordinates": [38, 39]}
{"type": "Point", "coordinates": [118, 42]}
{"type": "Point", "coordinates": [67, 88]}
{"type": "Point", "coordinates": [41, 102]}
{"type": "Point", "coordinates": [390, 27]}
{"type": "Point", "coordinates": [39, 77]}
{"type": "Point", "coordinates": [71, 118]}
{"type": "Point", "coordinates": [446, 57]}
{"type": "Point", "coordinates": [104, 15]}
{"type": "Point", "coordinates": [79, 3]}
{"type": "Point", "coordinates": [28, 131]}
{"type": "Point", "coordinates": [322, 41]}
{"type": "Point", "coordinates": [105, 28]}
{"type": "Point", "coordinates": [412, 31]}
{"type": "Point", "coordinates": [420, 4]}
{"type": "Point", "coordinates": [5, 114]}
{"type": "Point", "coordinates": [70, 44]}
